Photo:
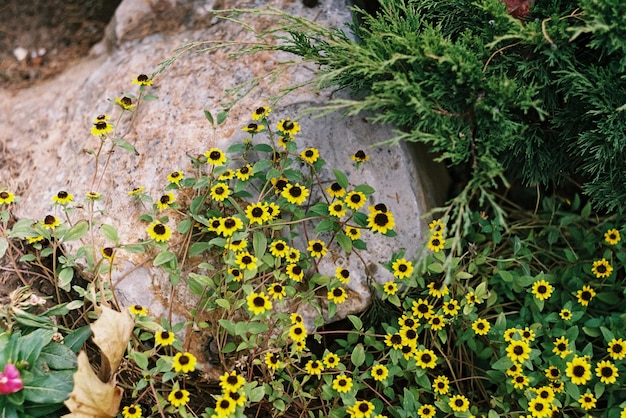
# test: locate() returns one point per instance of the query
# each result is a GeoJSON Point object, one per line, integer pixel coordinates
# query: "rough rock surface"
{"type": "Point", "coordinates": [46, 129]}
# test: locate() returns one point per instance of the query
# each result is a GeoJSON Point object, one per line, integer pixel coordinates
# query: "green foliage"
{"type": "Point", "coordinates": [539, 99]}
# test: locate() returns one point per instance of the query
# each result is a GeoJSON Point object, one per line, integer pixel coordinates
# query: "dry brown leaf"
{"type": "Point", "coordinates": [92, 398]}
{"type": "Point", "coordinates": [111, 333]}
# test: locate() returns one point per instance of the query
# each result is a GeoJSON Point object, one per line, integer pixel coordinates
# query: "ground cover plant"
{"type": "Point", "coordinates": [506, 311]}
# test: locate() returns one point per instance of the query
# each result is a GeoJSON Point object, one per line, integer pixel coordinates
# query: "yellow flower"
{"type": "Point", "coordinates": [335, 190]}
{"type": "Point", "coordinates": [297, 332]}
{"type": "Point", "coordinates": [353, 233]}
{"type": "Point", "coordinates": [342, 383]}
{"type": "Point", "coordinates": [138, 310]}
{"type": "Point", "coordinates": [436, 243]}
{"type": "Point", "coordinates": [159, 232]}
{"type": "Point", "coordinates": [402, 268]}
{"type": "Point", "coordinates": [166, 200]}
{"type": "Point", "coordinates": [272, 360]}
{"type": "Point", "coordinates": [587, 401]}
{"type": "Point", "coordinates": [390, 288]}
{"type": "Point", "coordinates": [441, 385]}
{"type": "Point", "coordinates": [520, 381]}
{"type": "Point", "coordinates": [379, 372]}
{"type": "Point", "coordinates": [355, 200]}
{"type": "Point", "coordinates": [178, 397]}
{"type": "Point", "coordinates": [539, 408]}
{"type": "Point", "coordinates": [612, 236]}
{"type": "Point", "coordinates": [279, 248]}
{"type": "Point", "coordinates": [565, 314]}
{"type": "Point", "coordinates": [51, 222]}
{"type": "Point", "coordinates": [585, 295]}
{"type": "Point", "coordinates": [244, 173]}
{"type": "Point", "coordinates": [317, 248]}
{"type": "Point", "coordinates": [63, 198]}
{"type": "Point", "coordinates": [337, 295]}
{"type": "Point", "coordinates": [294, 272]}
{"type": "Point", "coordinates": [380, 221]}
{"type": "Point", "coordinates": [542, 289]}
{"type": "Point", "coordinates": [261, 112]}
{"type": "Point", "coordinates": [224, 406]}
{"type": "Point", "coordinates": [331, 360]}
{"type": "Point", "coordinates": [215, 156]}
{"type": "Point", "coordinates": [164, 338]}
{"type": "Point", "coordinates": [426, 359]}
{"type": "Point", "coordinates": [231, 381]}
{"type": "Point", "coordinates": [394, 340]}
{"type": "Point", "coordinates": [560, 347]}
{"type": "Point", "coordinates": [459, 403]}
{"type": "Point", "coordinates": [337, 209]}
{"type": "Point", "coordinates": [131, 411]}
{"type": "Point", "coordinates": [342, 274]}
{"type": "Point", "coordinates": [422, 309]}
{"type": "Point", "coordinates": [451, 307]}
{"type": "Point", "coordinates": [437, 322]}
{"type": "Point", "coordinates": [142, 80]}
{"type": "Point", "coordinates": [314, 367]}
{"type": "Point", "coordinates": [288, 127]}
{"type": "Point", "coordinates": [601, 268]}
{"type": "Point", "coordinates": [546, 393]}
{"type": "Point", "coordinates": [617, 349]}
{"type": "Point", "coordinates": [125, 102]}
{"type": "Point", "coordinates": [184, 362]}
{"type": "Point", "coordinates": [481, 326]}
{"type": "Point", "coordinates": [361, 409]}
{"type": "Point", "coordinates": [426, 411]}
{"type": "Point", "coordinates": [256, 213]}
{"type": "Point", "coordinates": [310, 155]}
{"type": "Point", "coordinates": [436, 227]}
{"type": "Point", "coordinates": [518, 351]}
{"type": "Point", "coordinates": [230, 225]}
{"type": "Point", "coordinates": [436, 291]}
{"type": "Point", "coordinates": [578, 370]}
{"type": "Point", "coordinates": [101, 126]}
{"type": "Point", "coordinates": [277, 291]}
{"type": "Point", "coordinates": [6, 197]}
{"type": "Point", "coordinates": [607, 372]}
{"type": "Point", "coordinates": [258, 303]}
{"type": "Point", "coordinates": [136, 191]}
{"type": "Point", "coordinates": [107, 252]}
{"type": "Point", "coordinates": [294, 193]}
{"type": "Point", "coordinates": [360, 156]}
{"type": "Point", "coordinates": [219, 192]}
{"type": "Point", "coordinates": [552, 373]}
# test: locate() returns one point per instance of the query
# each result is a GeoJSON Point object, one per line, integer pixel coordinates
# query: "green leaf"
{"type": "Point", "coordinates": [365, 189]}
{"type": "Point", "coordinates": [358, 355]}
{"type": "Point", "coordinates": [76, 232]}
{"type": "Point", "coordinates": [163, 258]}
{"type": "Point", "coordinates": [209, 117]}
{"type": "Point", "coordinates": [325, 225]}
{"type": "Point", "coordinates": [341, 178]}
{"type": "Point", "coordinates": [52, 388]}
{"type": "Point", "coordinates": [356, 322]}
{"type": "Point", "coordinates": [58, 357]}
{"type": "Point", "coordinates": [149, 97]}
{"type": "Point", "coordinates": [198, 247]}
{"type": "Point", "coordinates": [256, 394]}
{"type": "Point", "coordinates": [75, 340]}
{"type": "Point", "coordinates": [65, 278]}
{"type": "Point", "coordinates": [259, 243]}
{"type": "Point", "coordinates": [125, 145]}
{"type": "Point", "coordinates": [224, 303]}
{"type": "Point", "coordinates": [256, 328]}
{"type": "Point", "coordinates": [221, 117]}
{"type": "Point", "coordinates": [344, 241]}
{"type": "Point", "coordinates": [261, 166]}
{"type": "Point", "coordinates": [31, 345]}
{"type": "Point", "coordinates": [110, 233]}
{"type": "Point", "coordinates": [139, 358]}
{"type": "Point", "coordinates": [184, 226]}
{"type": "Point", "coordinates": [135, 248]}
{"type": "Point", "coordinates": [263, 148]}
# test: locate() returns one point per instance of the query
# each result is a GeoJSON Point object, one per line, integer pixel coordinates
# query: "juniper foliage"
{"type": "Point", "coordinates": [539, 99]}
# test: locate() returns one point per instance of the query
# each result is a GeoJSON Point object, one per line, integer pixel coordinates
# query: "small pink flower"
{"type": "Point", "coordinates": [10, 380]}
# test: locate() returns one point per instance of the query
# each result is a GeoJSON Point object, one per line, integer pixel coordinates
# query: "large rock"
{"type": "Point", "coordinates": [46, 129]}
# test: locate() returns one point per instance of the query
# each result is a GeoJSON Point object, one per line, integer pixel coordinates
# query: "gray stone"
{"type": "Point", "coordinates": [46, 129]}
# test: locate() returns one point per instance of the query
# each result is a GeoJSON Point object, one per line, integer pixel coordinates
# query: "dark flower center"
{"type": "Point", "coordinates": [179, 395]}
{"type": "Point", "coordinates": [360, 154]}
{"type": "Point", "coordinates": [257, 212]}
{"type": "Point", "coordinates": [317, 247]}
{"type": "Point", "coordinates": [344, 273]}
{"type": "Point", "coordinates": [426, 358]}
{"type": "Point", "coordinates": [519, 379]}
{"type": "Point", "coordinates": [142, 77]}
{"type": "Point", "coordinates": [396, 339]}
{"type": "Point", "coordinates": [364, 408]}
{"type": "Point", "coordinates": [126, 101]}
{"type": "Point", "coordinates": [295, 191]}
{"type": "Point", "coordinates": [585, 295]}
{"type": "Point", "coordinates": [579, 371]}
{"type": "Point", "coordinates": [554, 373]}
{"type": "Point", "coordinates": [259, 301]}
{"type": "Point", "coordinates": [423, 308]}
{"type": "Point", "coordinates": [381, 219]}
{"type": "Point", "coordinates": [335, 187]}
{"type": "Point", "coordinates": [409, 322]}
{"type": "Point", "coordinates": [246, 259]}
{"type": "Point", "coordinates": [601, 268]}
{"type": "Point", "coordinates": [215, 223]}
{"type": "Point", "coordinates": [296, 269]}
{"type": "Point", "coordinates": [380, 372]}
{"type": "Point", "coordinates": [165, 199]}
{"type": "Point", "coordinates": [480, 325]}
{"type": "Point", "coordinates": [101, 125]}
{"type": "Point", "coordinates": [278, 288]}
{"type": "Point", "coordinates": [544, 394]}
{"type": "Point", "coordinates": [542, 289]}
{"type": "Point", "coordinates": [224, 404]}
{"type": "Point", "coordinates": [165, 335]}
{"type": "Point", "coordinates": [132, 410]}
{"type": "Point", "coordinates": [236, 273]}
{"type": "Point", "coordinates": [230, 223]}
{"type": "Point", "coordinates": [402, 268]}
{"type": "Point", "coordinates": [441, 385]}
{"type": "Point", "coordinates": [297, 330]}
{"type": "Point", "coordinates": [436, 321]}
{"type": "Point", "coordinates": [280, 246]}
{"type": "Point", "coordinates": [108, 251]}
{"type": "Point", "coordinates": [273, 358]}
{"type": "Point", "coordinates": [232, 380]}
{"type": "Point", "coordinates": [561, 347]}
{"type": "Point", "coordinates": [101, 117]}
{"type": "Point", "coordinates": [337, 292]}
{"type": "Point", "coordinates": [342, 382]}
{"type": "Point", "coordinates": [4, 195]}
{"type": "Point", "coordinates": [234, 396]}
{"type": "Point", "coordinates": [355, 198]}
{"type": "Point", "coordinates": [617, 348]}
{"type": "Point", "coordinates": [159, 229]}
{"type": "Point", "coordinates": [315, 365]}
{"type": "Point", "coordinates": [62, 195]}
{"type": "Point", "coordinates": [260, 110]}
{"type": "Point", "coordinates": [458, 402]}
{"type": "Point", "coordinates": [411, 334]}
{"type": "Point", "coordinates": [49, 220]}
{"type": "Point", "coordinates": [435, 242]}
{"type": "Point", "coordinates": [244, 170]}
{"type": "Point", "coordinates": [606, 372]}
{"type": "Point", "coordinates": [183, 360]}
{"type": "Point", "coordinates": [539, 406]}
{"type": "Point", "coordinates": [337, 207]}
{"type": "Point", "coordinates": [215, 155]}
{"type": "Point", "coordinates": [309, 153]}
{"type": "Point", "coordinates": [288, 125]}
{"type": "Point", "coordinates": [518, 350]}
{"type": "Point", "coordinates": [381, 207]}
{"type": "Point", "coordinates": [281, 184]}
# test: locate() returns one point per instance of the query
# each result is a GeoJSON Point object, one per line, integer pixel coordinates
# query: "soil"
{"type": "Point", "coordinates": [52, 34]}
